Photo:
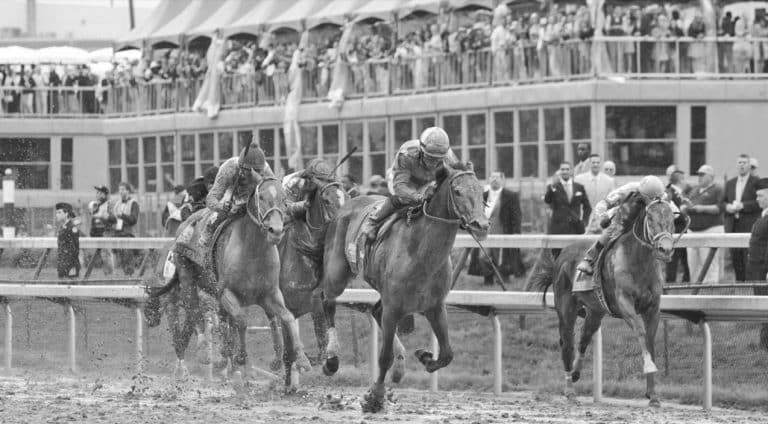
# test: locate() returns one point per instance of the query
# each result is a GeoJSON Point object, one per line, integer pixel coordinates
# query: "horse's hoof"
{"type": "Point", "coordinates": [238, 384]}
{"type": "Point", "coordinates": [424, 356]}
{"type": "Point", "coordinates": [373, 402]}
{"type": "Point", "coordinates": [575, 376]}
{"type": "Point", "coordinates": [331, 366]}
{"type": "Point", "coordinates": [654, 403]}
{"type": "Point", "coordinates": [398, 369]}
{"type": "Point", "coordinates": [302, 362]}
{"type": "Point", "coordinates": [571, 397]}
{"type": "Point", "coordinates": [316, 360]}
{"type": "Point", "coordinates": [276, 364]}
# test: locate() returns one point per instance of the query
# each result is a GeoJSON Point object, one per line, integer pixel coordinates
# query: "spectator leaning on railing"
{"type": "Point", "coordinates": [703, 207]}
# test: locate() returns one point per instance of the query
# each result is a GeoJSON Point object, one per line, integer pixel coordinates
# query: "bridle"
{"type": "Point", "coordinates": [320, 192]}
{"type": "Point", "coordinates": [259, 218]}
{"type": "Point", "coordinates": [461, 220]}
{"type": "Point", "coordinates": [641, 229]}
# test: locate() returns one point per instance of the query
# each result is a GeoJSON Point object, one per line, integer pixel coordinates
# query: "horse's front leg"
{"type": "Point", "coordinates": [240, 359]}
{"type": "Point", "coordinates": [438, 319]}
{"type": "Point", "coordinates": [591, 325]}
{"type": "Point", "coordinates": [275, 305]}
{"type": "Point", "coordinates": [651, 320]}
{"type": "Point", "coordinates": [374, 399]}
{"type": "Point", "coordinates": [277, 341]}
{"type": "Point", "coordinates": [635, 322]}
{"type": "Point", "coordinates": [398, 366]}
{"type": "Point", "coordinates": [320, 327]}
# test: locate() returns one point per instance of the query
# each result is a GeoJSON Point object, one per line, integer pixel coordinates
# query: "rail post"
{"type": "Point", "coordinates": [498, 376]}
{"type": "Point", "coordinates": [72, 338]}
{"type": "Point", "coordinates": [139, 339]}
{"type": "Point", "coordinates": [374, 346]}
{"type": "Point", "coordinates": [433, 379]}
{"type": "Point", "coordinates": [8, 336]}
{"type": "Point", "coordinates": [597, 365]}
{"type": "Point", "coordinates": [705, 330]}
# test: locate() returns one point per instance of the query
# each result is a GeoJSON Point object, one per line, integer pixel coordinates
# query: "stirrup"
{"type": "Point", "coordinates": [585, 267]}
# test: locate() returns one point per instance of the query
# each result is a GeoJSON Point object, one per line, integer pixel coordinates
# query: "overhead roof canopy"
{"type": "Point", "coordinates": [334, 12]}
{"type": "Point", "coordinates": [164, 12]}
{"type": "Point", "coordinates": [228, 13]}
{"type": "Point", "coordinates": [254, 20]}
{"type": "Point", "coordinates": [378, 9]}
{"type": "Point", "coordinates": [292, 17]}
{"type": "Point", "coordinates": [193, 15]}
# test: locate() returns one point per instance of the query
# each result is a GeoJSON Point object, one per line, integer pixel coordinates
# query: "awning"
{"type": "Point", "coordinates": [334, 12]}
{"type": "Point", "coordinates": [163, 13]}
{"type": "Point", "coordinates": [410, 6]}
{"type": "Point", "coordinates": [292, 17]}
{"type": "Point", "coordinates": [14, 55]}
{"type": "Point", "coordinates": [193, 15]}
{"type": "Point", "coordinates": [108, 55]}
{"type": "Point", "coordinates": [253, 21]}
{"type": "Point", "coordinates": [228, 13]}
{"type": "Point", "coordinates": [378, 9]}
{"type": "Point", "coordinates": [459, 4]}
{"type": "Point", "coordinates": [64, 55]}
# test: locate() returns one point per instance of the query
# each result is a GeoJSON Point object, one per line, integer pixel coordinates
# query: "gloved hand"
{"type": "Point", "coordinates": [605, 222]}
{"type": "Point", "coordinates": [428, 192]}
{"type": "Point", "coordinates": [226, 206]}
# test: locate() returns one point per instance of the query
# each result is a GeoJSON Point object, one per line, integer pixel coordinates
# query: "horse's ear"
{"type": "Point", "coordinates": [442, 174]}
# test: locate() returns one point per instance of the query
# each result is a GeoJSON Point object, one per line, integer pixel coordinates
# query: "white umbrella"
{"type": "Point", "coordinates": [63, 54]}
{"type": "Point", "coordinates": [108, 55]}
{"type": "Point", "coordinates": [17, 55]}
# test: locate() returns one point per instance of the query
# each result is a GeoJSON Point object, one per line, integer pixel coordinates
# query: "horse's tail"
{"type": "Point", "coordinates": [152, 312]}
{"type": "Point", "coordinates": [542, 275]}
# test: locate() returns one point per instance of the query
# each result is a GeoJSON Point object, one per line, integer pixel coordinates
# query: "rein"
{"type": "Point", "coordinates": [644, 234]}
{"type": "Point", "coordinates": [461, 221]}
{"type": "Point", "coordinates": [259, 217]}
{"type": "Point", "coordinates": [307, 216]}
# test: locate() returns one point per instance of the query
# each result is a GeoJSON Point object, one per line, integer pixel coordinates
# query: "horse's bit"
{"type": "Point", "coordinates": [461, 221]}
{"type": "Point", "coordinates": [646, 238]}
{"type": "Point", "coordinates": [259, 218]}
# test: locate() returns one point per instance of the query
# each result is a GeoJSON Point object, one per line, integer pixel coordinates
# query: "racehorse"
{"type": "Point", "coordinates": [410, 268]}
{"type": "Point", "coordinates": [246, 267]}
{"type": "Point", "coordinates": [300, 266]}
{"type": "Point", "coordinates": [632, 277]}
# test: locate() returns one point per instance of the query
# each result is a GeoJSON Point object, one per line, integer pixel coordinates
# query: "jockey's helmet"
{"type": "Point", "coordinates": [318, 168]}
{"type": "Point", "coordinates": [255, 159]}
{"type": "Point", "coordinates": [651, 187]}
{"type": "Point", "coordinates": [434, 142]}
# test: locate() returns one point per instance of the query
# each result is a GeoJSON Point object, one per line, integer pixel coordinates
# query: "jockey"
{"type": "Point", "coordinates": [415, 166]}
{"type": "Point", "coordinates": [607, 214]}
{"type": "Point", "coordinates": [300, 186]}
{"type": "Point", "coordinates": [236, 180]}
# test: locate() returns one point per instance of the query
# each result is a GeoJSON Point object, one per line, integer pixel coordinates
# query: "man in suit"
{"type": "Point", "coordinates": [569, 203]}
{"type": "Point", "coordinates": [584, 164]}
{"type": "Point", "coordinates": [677, 190]}
{"type": "Point", "coordinates": [596, 184]}
{"type": "Point", "coordinates": [503, 212]}
{"type": "Point", "coordinates": [757, 263]}
{"type": "Point", "coordinates": [741, 210]}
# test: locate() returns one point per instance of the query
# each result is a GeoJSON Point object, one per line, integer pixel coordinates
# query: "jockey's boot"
{"type": "Point", "coordinates": [590, 257]}
{"type": "Point", "coordinates": [371, 224]}
{"type": "Point", "coordinates": [210, 227]}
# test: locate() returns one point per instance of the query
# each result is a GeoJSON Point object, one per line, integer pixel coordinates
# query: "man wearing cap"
{"type": "Point", "coordinates": [703, 207]}
{"type": "Point", "coordinates": [757, 262]}
{"type": "Point", "coordinates": [236, 179]}
{"type": "Point", "coordinates": [741, 210]}
{"type": "Point", "coordinates": [677, 192]}
{"type": "Point", "coordinates": [415, 167]}
{"type": "Point", "coordinates": [378, 185]}
{"type": "Point", "coordinates": [300, 186]}
{"type": "Point", "coordinates": [67, 262]}
{"type": "Point", "coordinates": [101, 222]}
{"type": "Point", "coordinates": [126, 216]}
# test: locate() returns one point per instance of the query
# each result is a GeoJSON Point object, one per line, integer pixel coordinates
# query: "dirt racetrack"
{"type": "Point", "coordinates": [37, 399]}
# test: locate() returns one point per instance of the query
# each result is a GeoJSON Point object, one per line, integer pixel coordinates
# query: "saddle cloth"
{"type": "Point", "coordinates": [593, 285]}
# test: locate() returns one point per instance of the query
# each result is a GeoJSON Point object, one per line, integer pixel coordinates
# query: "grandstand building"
{"type": "Point", "coordinates": [524, 119]}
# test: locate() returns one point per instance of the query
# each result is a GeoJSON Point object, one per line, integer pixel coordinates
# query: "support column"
{"type": "Point", "coordinates": [683, 145]}
{"type": "Point", "coordinates": [373, 344]}
{"type": "Point", "coordinates": [72, 339]}
{"type": "Point", "coordinates": [705, 330]}
{"type": "Point", "coordinates": [498, 370]}
{"type": "Point", "coordinates": [8, 336]}
{"type": "Point", "coordinates": [597, 365]}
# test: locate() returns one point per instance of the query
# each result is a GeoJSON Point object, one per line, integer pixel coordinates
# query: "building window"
{"type": "Point", "coordinates": [167, 158]}
{"type": "Point", "coordinates": [504, 124]}
{"type": "Point", "coordinates": [452, 127]}
{"type": "Point", "coordinates": [149, 145]}
{"type": "Point", "coordinates": [403, 131]}
{"type": "Point", "coordinates": [554, 135]}
{"type": "Point", "coordinates": [476, 132]}
{"type": "Point", "coordinates": [225, 146]}
{"type": "Point", "coordinates": [377, 135]}
{"type": "Point", "coordinates": [330, 135]}
{"type": "Point", "coordinates": [115, 147]}
{"type": "Point", "coordinates": [283, 160]}
{"type": "Point", "coordinates": [529, 142]}
{"type": "Point", "coordinates": [310, 143]}
{"type": "Point", "coordinates": [206, 150]}
{"type": "Point", "coordinates": [581, 128]}
{"type": "Point", "coordinates": [641, 139]}
{"type": "Point", "coordinates": [423, 123]}
{"type": "Point", "coordinates": [132, 162]}
{"type": "Point", "coordinates": [354, 138]}
{"type": "Point", "coordinates": [244, 138]}
{"type": "Point", "coordinates": [66, 164]}
{"type": "Point", "coordinates": [30, 159]}
{"type": "Point", "coordinates": [267, 143]}
{"type": "Point", "coordinates": [698, 137]}
{"type": "Point", "coordinates": [187, 158]}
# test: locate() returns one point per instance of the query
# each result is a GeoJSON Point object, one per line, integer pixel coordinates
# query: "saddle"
{"type": "Point", "coordinates": [359, 249]}
{"type": "Point", "coordinates": [593, 286]}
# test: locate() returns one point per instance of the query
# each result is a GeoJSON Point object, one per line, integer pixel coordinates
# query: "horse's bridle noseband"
{"type": "Point", "coordinates": [462, 221]}
{"type": "Point", "coordinates": [648, 239]}
{"type": "Point", "coordinates": [260, 218]}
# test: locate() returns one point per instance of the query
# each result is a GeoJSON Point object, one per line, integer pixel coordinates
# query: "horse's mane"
{"type": "Point", "coordinates": [448, 170]}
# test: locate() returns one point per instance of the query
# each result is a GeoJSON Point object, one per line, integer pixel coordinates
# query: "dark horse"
{"type": "Point", "coordinates": [411, 268]}
{"type": "Point", "coordinates": [632, 276]}
{"type": "Point", "coordinates": [300, 265]}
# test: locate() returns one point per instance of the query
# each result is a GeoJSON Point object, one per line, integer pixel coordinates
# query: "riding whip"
{"type": "Point", "coordinates": [344, 159]}
{"type": "Point", "coordinates": [490, 260]}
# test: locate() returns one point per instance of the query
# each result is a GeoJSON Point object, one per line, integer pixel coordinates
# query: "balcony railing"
{"type": "Point", "coordinates": [519, 63]}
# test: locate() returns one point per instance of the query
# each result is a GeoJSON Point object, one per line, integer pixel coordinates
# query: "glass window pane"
{"type": "Point", "coordinates": [281, 142]}
{"type": "Point", "coordinates": [30, 176]}
{"type": "Point", "coordinates": [309, 140]}
{"type": "Point", "coordinates": [115, 177]}
{"type": "Point", "coordinates": [132, 151]}
{"type": "Point", "coordinates": [477, 157]}
{"type": "Point", "coordinates": [150, 149]}
{"type": "Point", "coordinates": [187, 147]}
{"type": "Point", "coordinates": [378, 164]}
{"type": "Point", "coordinates": [25, 150]}
{"type": "Point", "coordinates": [244, 138]}
{"type": "Point", "coordinates": [423, 123]}
{"type": "Point", "coordinates": [698, 124]}
{"type": "Point", "coordinates": [377, 132]}
{"type": "Point", "coordinates": [581, 128]}
{"type": "Point", "coordinates": [132, 176]}
{"type": "Point", "coordinates": [355, 164]}
{"type": "Point", "coordinates": [698, 154]}
{"type": "Point", "coordinates": [330, 139]}
{"type": "Point", "coordinates": [355, 136]}
{"type": "Point", "coordinates": [66, 177]}
{"type": "Point", "coordinates": [476, 129]}
{"type": "Point", "coordinates": [187, 173]}
{"type": "Point", "coordinates": [452, 127]}
{"type": "Point", "coordinates": [403, 130]}
{"type": "Point", "coordinates": [633, 158]}
{"type": "Point", "coordinates": [66, 150]}
{"type": "Point", "coordinates": [167, 148]}
{"type": "Point", "coordinates": [115, 151]}
{"type": "Point", "coordinates": [150, 179]}
{"type": "Point", "coordinates": [206, 146]}
{"type": "Point", "coordinates": [267, 141]}
{"type": "Point", "coordinates": [225, 146]}
{"type": "Point", "coordinates": [505, 160]}
{"type": "Point", "coordinates": [529, 125]}
{"type": "Point", "coordinates": [640, 122]}
{"type": "Point", "coordinates": [168, 177]}
{"type": "Point", "coordinates": [504, 128]}
{"type": "Point", "coordinates": [530, 157]}
{"type": "Point", "coordinates": [554, 129]}
{"type": "Point", "coordinates": [555, 156]}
